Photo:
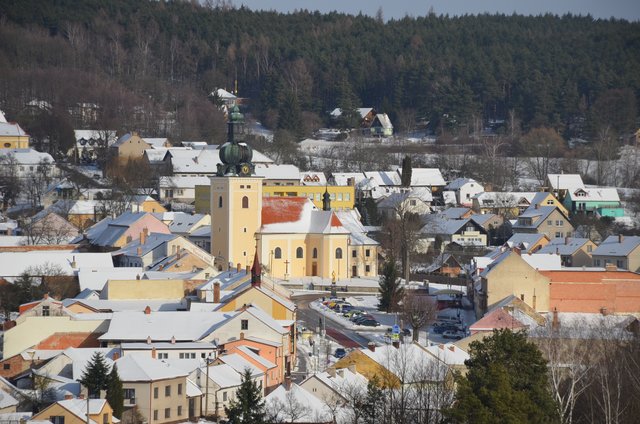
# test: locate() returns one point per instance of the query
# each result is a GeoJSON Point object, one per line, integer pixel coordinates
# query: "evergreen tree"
{"type": "Point", "coordinates": [248, 406]}
{"type": "Point", "coordinates": [115, 392]}
{"type": "Point", "coordinates": [405, 178]}
{"type": "Point", "coordinates": [96, 375]}
{"type": "Point", "coordinates": [506, 382]}
{"type": "Point", "coordinates": [390, 291]}
{"type": "Point", "coordinates": [373, 406]}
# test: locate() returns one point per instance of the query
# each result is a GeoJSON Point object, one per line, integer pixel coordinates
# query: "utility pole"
{"type": "Point", "coordinates": [206, 397]}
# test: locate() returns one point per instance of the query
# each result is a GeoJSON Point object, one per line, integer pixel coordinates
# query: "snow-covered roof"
{"type": "Point", "coordinates": [204, 161]}
{"type": "Point", "coordinates": [425, 177]}
{"type": "Point", "coordinates": [538, 216]}
{"type": "Point", "coordinates": [454, 213]}
{"type": "Point", "coordinates": [297, 215]}
{"type": "Point", "coordinates": [617, 246]}
{"type": "Point", "coordinates": [152, 242]}
{"type": "Point", "coordinates": [384, 178]}
{"type": "Point", "coordinates": [342, 178]}
{"type": "Point", "coordinates": [6, 400]}
{"type": "Point", "coordinates": [81, 357]}
{"type": "Point", "coordinates": [595, 194]}
{"type": "Point", "coordinates": [163, 326]}
{"type": "Point", "coordinates": [109, 230]}
{"type": "Point", "coordinates": [314, 410]}
{"type": "Point", "coordinates": [183, 181]}
{"type": "Point", "coordinates": [458, 183]}
{"type": "Point", "coordinates": [95, 135]}
{"type": "Point", "coordinates": [406, 362]}
{"type": "Point", "coordinates": [94, 278]}
{"type": "Point", "coordinates": [239, 364]}
{"type": "Point", "coordinates": [525, 241]}
{"type": "Point", "coordinates": [254, 356]}
{"type": "Point", "coordinates": [311, 178]}
{"type": "Point", "coordinates": [27, 156]}
{"type": "Point", "coordinates": [350, 220]}
{"type": "Point", "coordinates": [142, 367]}
{"type": "Point", "coordinates": [569, 182]}
{"type": "Point", "coordinates": [15, 263]}
{"type": "Point", "coordinates": [564, 246]}
{"type": "Point", "coordinates": [11, 129]}
{"type": "Point", "coordinates": [277, 172]}
{"type": "Point", "coordinates": [224, 94]}
{"type": "Point", "coordinates": [363, 111]}
{"type": "Point", "coordinates": [157, 142]}
{"type": "Point", "coordinates": [78, 407]}
{"type": "Point", "coordinates": [503, 199]}
{"type": "Point", "coordinates": [132, 305]}
{"type": "Point", "coordinates": [223, 375]}
{"type": "Point", "coordinates": [384, 120]}
{"type": "Point", "coordinates": [449, 353]}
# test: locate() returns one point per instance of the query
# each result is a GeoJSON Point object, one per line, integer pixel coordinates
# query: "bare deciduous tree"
{"type": "Point", "coordinates": [418, 311]}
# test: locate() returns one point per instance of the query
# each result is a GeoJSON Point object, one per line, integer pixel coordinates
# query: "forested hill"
{"type": "Point", "coordinates": [166, 56]}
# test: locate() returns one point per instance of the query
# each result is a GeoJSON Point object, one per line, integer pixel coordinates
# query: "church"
{"type": "Point", "coordinates": [292, 237]}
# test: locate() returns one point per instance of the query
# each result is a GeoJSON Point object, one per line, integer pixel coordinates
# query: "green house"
{"type": "Point", "coordinates": [598, 200]}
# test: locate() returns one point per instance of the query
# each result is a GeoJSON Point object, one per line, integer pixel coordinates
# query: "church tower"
{"type": "Point", "coordinates": [236, 199]}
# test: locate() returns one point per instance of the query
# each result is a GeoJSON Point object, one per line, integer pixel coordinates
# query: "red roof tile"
{"type": "Point", "coordinates": [335, 221]}
{"type": "Point", "coordinates": [277, 210]}
{"type": "Point", "coordinates": [496, 319]}
{"type": "Point", "coordinates": [583, 276]}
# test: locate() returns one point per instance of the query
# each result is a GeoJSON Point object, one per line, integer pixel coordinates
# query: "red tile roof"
{"type": "Point", "coordinates": [277, 210]}
{"type": "Point", "coordinates": [335, 221]}
{"type": "Point", "coordinates": [497, 318]}
{"type": "Point", "coordinates": [584, 276]}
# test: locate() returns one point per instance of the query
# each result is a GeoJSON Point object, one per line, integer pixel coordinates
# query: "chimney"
{"type": "Point", "coordinates": [148, 339]}
{"type": "Point", "coordinates": [352, 368]}
{"type": "Point", "coordinates": [46, 296]}
{"type": "Point", "coordinates": [80, 396]}
{"type": "Point", "coordinates": [396, 344]}
{"type": "Point", "coordinates": [68, 397]}
{"type": "Point", "coordinates": [216, 292]}
{"type": "Point", "coordinates": [139, 251]}
{"type": "Point", "coordinates": [287, 383]}
{"type": "Point", "coordinates": [74, 264]}
{"type": "Point", "coordinates": [238, 267]}
{"type": "Point", "coordinates": [116, 356]}
{"type": "Point", "coordinates": [173, 339]}
{"type": "Point", "coordinates": [566, 240]}
{"type": "Point", "coordinates": [331, 371]}
{"type": "Point", "coordinates": [537, 206]}
{"type": "Point", "coordinates": [179, 254]}
{"type": "Point", "coordinates": [517, 251]}
{"type": "Point", "coordinates": [256, 271]}
{"type": "Point", "coordinates": [604, 311]}
{"type": "Point", "coordinates": [555, 324]}
{"type": "Point", "coordinates": [620, 238]}
{"type": "Point", "coordinates": [147, 310]}
{"type": "Point", "coordinates": [610, 267]}
{"type": "Point", "coordinates": [241, 336]}
{"type": "Point", "coordinates": [452, 348]}
{"type": "Point", "coordinates": [247, 269]}
{"type": "Point", "coordinates": [143, 237]}
{"type": "Point", "coordinates": [137, 276]}
{"type": "Point", "coordinates": [153, 352]}
{"type": "Point", "coordinates": [340, 372]}
{"type": "Point", "coordinates": [371, 346]}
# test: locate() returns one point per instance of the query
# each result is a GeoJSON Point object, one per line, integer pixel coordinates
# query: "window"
{"type": "Point", "coordinates": [224, 396]}
{"type": "Point", "coordinates": [105, 418]}
{"type": "Point", "coordinates": [6, 366]}
{"type": "Point", "coordinates": [244, 324]}
{"type": "Point", "coordinates": [367, 253]}
{"type": "Point", "coordinates": [339, 196]}
{"type": "Point", "coordinates": [589, 248]}
{"type": "Point", "coordinates": [317, 197]}
{"type": "Point", "coordinates": [245, 202]}
{"type": "Point", "coordinates": [412, 202]}
{"type": "Point", "coordinates": [180, 384]}
{"type": "Point", "coordinates": [338, 253]}
{"type": "Point", "coordinates": [558, 234]}
{"type": "Point", "coordinates": [130, 395]}
{"type": "Point", "coordinates": [332, 196]}
{"type": "Point", "coordinates": [549, 222]}
{"type": "Point", "coordinates": [164, 355]}
{"type": "Point", "coordinates": [57, 419]}
{"type": "Point", "coordinates": [367, 268]}
{"type": "Point", "coordinates": [180, 410]}
{"type": "Point", "coordinates": [167, 412]}
{"type": "Point", "coordinates": [315, 253]}
{"type": "Point", "coordinates": [7, 144]}
{"type": "Point", "coordinates": [45, 311]}
{"type": "Point", "coordinates": [620, 263]}
{"type": "Point", "coordinates": [155, 415]}
{"type": "Point", "coordinates": [167, 391]}
{"type": "Point", "coordinates": [220, 201]}
{"type": "Point", "coordinates": [354, 253]}
{"type": "Point", "coordinates": [181, 355]}
{"type": "Point", "coordinates": [277, 253]}
{"type": "Point", "coordinates": [550, 202]}
{"type": "Point", "coordinates": [155, 393]}
{"type": "Point", "coordinates": [347, 196]}
{"type": "Point", "coordinates": [597, 262]}
{"type": "Point", "coordinates": [299, 253]}
{"type": "Point", "coordinates": [193, 355]}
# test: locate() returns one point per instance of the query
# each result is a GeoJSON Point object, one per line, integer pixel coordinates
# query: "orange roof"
{"type": "Point", "coordinates": [585, 276]}
{"type": "Point", "coordinates": [277, 210]}
{"type": "Point", "coordinates": [335, 221]}
{"type": "Point", "coordinates": [497, 318]}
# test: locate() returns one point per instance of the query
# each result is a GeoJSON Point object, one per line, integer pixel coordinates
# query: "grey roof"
{"type": "Point", "coordinates": [564, 246]}
{"type": "Point", "coordinates": [204, 231]}
{"type": "Point", "coordinates": [524, 240]}
{"type": "Point", "coordinates": [351, 222]}
{"type": "Point", "coordinates": [436, 225]}
{"type": "Point", "coordinates": [459, 183]}
{"type": "Point", "coordinates": [454, 213]}
{"type": "Point", "coordinates": [11, 129]}
{"type": "Point", "coordinates": [109, 230]}
{"type": "Point", "coordinates": [613, 246]}
{"type": "Point", "coordinates": [154, 240]}
{"type": "Point", "coordinates": [538, 215]}
{"type": "Point", "coordinates": [483, 218]}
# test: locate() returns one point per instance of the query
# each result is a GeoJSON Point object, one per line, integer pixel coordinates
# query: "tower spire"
{"type": "Point", "coordinates": [326, 200]}
{"type": "Point", "coordinates": [256, 271]}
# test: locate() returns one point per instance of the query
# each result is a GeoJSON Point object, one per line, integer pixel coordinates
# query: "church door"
{"type": "Point", "coordinates": [354, 271]}
{"type": "Point", "coordinates": [314, 269]}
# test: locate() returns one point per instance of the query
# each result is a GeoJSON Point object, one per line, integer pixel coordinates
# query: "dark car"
{"type": "Point", "coordinates": [363, 317]}
{"type": "Point", "coordinates": [439, 329]}
{"type": "Point", "coordinates": [451, 334]}
{"type": "Point", "coordinates": [340, 353]}
{"type": "Point", "coordinates": [406, 332]}
{"type": "Point", "coordinates": [369, 323]}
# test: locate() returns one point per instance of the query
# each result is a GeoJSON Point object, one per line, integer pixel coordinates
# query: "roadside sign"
{"type": "Point", "coordinates": [395, 329]}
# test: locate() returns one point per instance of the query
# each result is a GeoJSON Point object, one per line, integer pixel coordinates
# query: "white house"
{"type": "Point", "coordinates": [465, 189]}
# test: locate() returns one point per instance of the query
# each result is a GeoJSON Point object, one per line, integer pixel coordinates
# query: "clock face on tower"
{"type": "Point", "coordinates": [245, 169]}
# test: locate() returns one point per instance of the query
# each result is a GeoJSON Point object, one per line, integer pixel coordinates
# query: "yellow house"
{"type": "Point", "coordinates": [132, 146]}
{"type": "Point", "coordinates": [544, 198]}
{"type": "Point", "coordinates": [342, 197]}
{"type": "Point", "coordinates": [143, 289]}
{"type": "Point", "coordinates": [12, 136]}
{"type": "Point", "coordinates": [274, 305]}
{"type": "Point", "coordinates": [146, 204]}
{"type": "Point", "coordinates": [74, 411]}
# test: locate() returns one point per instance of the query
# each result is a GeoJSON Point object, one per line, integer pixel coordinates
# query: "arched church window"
{"type": "Point", "coordinates": [220, 201]}
{"type": "Point", "coordinates": [338, 253]}
{"type": "Point", "coordinates": [277, 253]}
{"type": "Point", "coordinates": [245, 202]}
{"type": "Point", "coordinates": [315, 253]}
{"type": "Point", "coordinates": [299, 253]}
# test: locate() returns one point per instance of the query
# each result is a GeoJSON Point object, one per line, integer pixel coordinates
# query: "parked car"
{"type": "Point", "coordinates": [340, 353]}
{"type": "Point", "coordinates": [451, 334]}
{"type": "Point", "coordinates": [353, 312]}
{"type": "Point", "coordinates": [439, 329]}
{"type": "Point", "coordinates": [369, 323]}
{"type": "Point", "coordinates": [406, 332]}
{"type": "Point", "coordinates": [363, 317]}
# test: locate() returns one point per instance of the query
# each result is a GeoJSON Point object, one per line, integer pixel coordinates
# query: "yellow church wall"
{"type": "Point", "coordinates": [234, 242]}
{"type": "Point", "coordinates": [361, 261]}
{"type": "Point", "coordinates": [14, 142]}
{"type": "Point", "coordinates": [78, 308]}
{"type": "Point", "coordinates": [261, 300]}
